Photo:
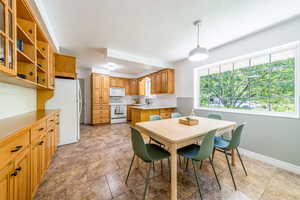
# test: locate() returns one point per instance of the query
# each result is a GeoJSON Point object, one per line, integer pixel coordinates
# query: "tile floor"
{"type": "Point", "coordinates": [96, 168]}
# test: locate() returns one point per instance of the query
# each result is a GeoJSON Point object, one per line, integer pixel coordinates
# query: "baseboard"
{"type": "Point", "coordinates": [266, 159]}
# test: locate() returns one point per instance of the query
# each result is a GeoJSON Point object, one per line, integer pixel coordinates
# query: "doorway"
{"type": "Point", "coordinates": [82, 89]}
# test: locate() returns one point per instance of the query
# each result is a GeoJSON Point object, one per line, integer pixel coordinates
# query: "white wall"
{"type": "Point", "coordinates": [275, 137]}
{"type": "Point", "coordinates": [15, 100]}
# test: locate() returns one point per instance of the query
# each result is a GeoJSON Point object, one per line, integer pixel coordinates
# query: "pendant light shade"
{"type": "Point", "coordinates": [199, 53]}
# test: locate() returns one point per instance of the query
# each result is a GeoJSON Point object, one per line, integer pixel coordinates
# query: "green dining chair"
{"type": "Point", "coordinates": [175, 115]}
{"type": "Point", "coordinates": [154, 117]}
{"type": "Point", "coordinates": [199, 153]}
{"type": "Point", "coordinates": [226, 146]}
{"type": "Point", "coordinates": [215, 116]}
{"type": "Point", "coordinates": [149, 153]}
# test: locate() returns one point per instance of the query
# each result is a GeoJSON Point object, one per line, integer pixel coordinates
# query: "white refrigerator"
{"type": "Point", "coordinates": [67, 98]}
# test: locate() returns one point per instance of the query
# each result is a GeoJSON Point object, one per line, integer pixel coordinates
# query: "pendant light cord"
{"type": "Point", "coordinates": [198, 34]}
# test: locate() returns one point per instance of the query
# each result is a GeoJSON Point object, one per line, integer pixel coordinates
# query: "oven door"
{"type": "Point", "coordinates": [118, 111]}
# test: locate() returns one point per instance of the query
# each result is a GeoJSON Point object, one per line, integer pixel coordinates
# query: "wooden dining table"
{"type": "Point", "coordinates": [174, 135]}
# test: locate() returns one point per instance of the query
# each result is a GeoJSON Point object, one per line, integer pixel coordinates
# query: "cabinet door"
{"type": "Point", "coordinates": [164, 82]}
{"type": "Point", "coordinates": [158, 82]}
{"type": "Point", "coordinates": [22, 179]}
{"type": "Point", "coordinates": [65, 66]}
{"type": "Point", "coordinates": [6, 182]}
{"type": "Point", "coordinates": [141, 86]}
{"type": "Point", "coordinates": [35, 166]}
{"type": "Point", "coordinates": [105, 89]}
{"type": "Point", "coordinates": [127, 88]}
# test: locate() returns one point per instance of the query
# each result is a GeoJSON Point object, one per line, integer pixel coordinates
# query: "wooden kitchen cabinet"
{"type": "Point", "coordinates": [141, 86]}
{"type": "Point", "coordinates": [162, 82]}
{"type": "Point", "coordinates": [133, 84]}
{"type": "Point", "coordinates": [100, 98]}
{"type": "Point", "coordinates": [6, 182]}
{"type": "Point", "coordinates": [22, 176]}
{"type": "Point", "coordinates": [141, 115]}
{"type": "Point", "coordinates": [65, 66]}
{"type": "Point", "coordinates": [24, 155]}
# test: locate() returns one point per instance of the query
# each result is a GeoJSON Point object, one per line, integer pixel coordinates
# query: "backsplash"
{"type": "Point", "coordinates": [161, 99]}
{"type": "Point", "coordinates": [16, 100]}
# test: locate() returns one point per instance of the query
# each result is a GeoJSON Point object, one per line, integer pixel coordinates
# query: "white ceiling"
{"type": "Point", "coordinates": [160, 30]}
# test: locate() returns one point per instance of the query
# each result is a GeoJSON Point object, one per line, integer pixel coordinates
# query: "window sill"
{"type": "Point", "coordinates": [247, 112]}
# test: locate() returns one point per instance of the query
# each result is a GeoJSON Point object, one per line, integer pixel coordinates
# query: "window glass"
{"type": "Point", "coordinates": [260, 83]}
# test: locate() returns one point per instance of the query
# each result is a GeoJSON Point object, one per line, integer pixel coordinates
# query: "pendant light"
{"type": "Point", "coordinates": [199, 53]}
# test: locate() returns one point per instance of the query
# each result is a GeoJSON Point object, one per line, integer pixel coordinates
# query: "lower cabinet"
{"type": "Point", "coordinates": [25, 157]}
{"type": "Point", "coordinates": [21, 175]}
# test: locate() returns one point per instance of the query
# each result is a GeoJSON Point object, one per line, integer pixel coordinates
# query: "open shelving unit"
{"type": "Point", "coordinates": [31, 54]}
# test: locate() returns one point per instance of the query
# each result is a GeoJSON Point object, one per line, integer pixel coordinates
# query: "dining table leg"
{"type": "Point", "coordinates": [173, 172]}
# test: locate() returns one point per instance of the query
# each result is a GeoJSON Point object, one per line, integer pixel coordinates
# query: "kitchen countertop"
{"type": "Point", "coordinates": [10, 125]}
{"type": "Point", "coordinates": [145, 107]}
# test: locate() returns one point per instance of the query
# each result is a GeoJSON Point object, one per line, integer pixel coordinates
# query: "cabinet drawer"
{"type": "Point", "coordinates": [10, 148]}
{"type": "Point", "coordinates": [101, 113]}
{"type": "Point", "coordinates": [51, 121]}
{"type": "Point", "coordinates": [101, 107]}
{"type": "Point", "coordinates": [38, 131]}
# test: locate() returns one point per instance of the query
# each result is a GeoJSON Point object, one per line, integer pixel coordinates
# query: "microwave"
{"type": "Point", "coordinates": [117, 92]}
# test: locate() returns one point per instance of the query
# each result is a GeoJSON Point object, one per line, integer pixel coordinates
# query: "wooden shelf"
{"type": "Point", "coordinates": [23, 57]}
{"type": "Point", "coordinates": [40, 54]}
{"type": "Point", "coordinates": [40, 69]}
{"type": "Point", "coordinates": [22, 35]}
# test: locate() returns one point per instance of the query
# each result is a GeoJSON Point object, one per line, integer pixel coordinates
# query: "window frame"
{"type": "Point", "coordinates": [289, 46]}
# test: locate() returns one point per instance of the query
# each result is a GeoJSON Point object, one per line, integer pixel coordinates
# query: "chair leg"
{"type": "Point", "coordinates": [153, 166]}
{"type": "Point", "coordinates": [213, 167]}
{"type": "Point", "coordinates": [130, 168]}
{"type": "Point", "coordinates": [162, 167]}
{"type": "Point", "coordinates": [241, 161]}
{"type": "Point", "coordinates": [230, 170]}
{"type": "Point", "coordinates": [169, 164]}
{"type": "Point", "coordinates": [187, 164]}
{"type": "Point", "coordinates": [180, 164]}
{"type": "Point", "coordinates": [213, 154]}
{"type": "Point", "coordinates": [196, 176]}
{"type": "Point", "coordinates": [150, 139]}
{"type": "Point", "coordinates": [147, 181]}
{"type": "Point", "coordinates": [201, 164]}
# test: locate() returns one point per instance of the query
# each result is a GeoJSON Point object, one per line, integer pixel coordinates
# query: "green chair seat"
{"type": "Point", "coordinates": [190, 151]}
{"type": "Point", "coordinates": [156, 152]}
{"type": "Point", "coordinates": [221, 143]}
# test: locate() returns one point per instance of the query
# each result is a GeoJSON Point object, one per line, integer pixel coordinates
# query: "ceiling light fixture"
{"type": "Point", "coordinates": [199, 53]}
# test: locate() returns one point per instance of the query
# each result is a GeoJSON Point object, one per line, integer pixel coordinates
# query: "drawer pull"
{"type": "Point", "coordinates": [19, 169]}
{"type": "Point", "coordinates": [41, 129]}
{"type": "Point", "coordinates": [16, 149]}
{"type": "Point", "coordinates": [52, 120]}
{"type": "Point", "coordinates": [51, 130]}
{"type": "Point", "coordinates": [42, 142]}
{"type": "Point", "coordinates": [14, 174]}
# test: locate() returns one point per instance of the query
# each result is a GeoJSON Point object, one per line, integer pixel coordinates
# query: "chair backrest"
{"type": "Point", "coordinates": [139, 146]}
{"type": "Point", "coordinates": [175, 115]}
{"type": "Point", "coordinates": [154, 117]}
{"type": "Point", "coordinates": [207, 146]}
{"type": "Point", "coordinates": [236, 137]}
{"type": "Point", "coordinates": [215, 116]}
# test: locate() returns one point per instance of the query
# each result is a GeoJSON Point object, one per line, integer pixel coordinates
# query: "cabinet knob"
{"type": "Point", "coordinates": [14, 174]}
{"type": "Point", "coordinates": [51, 130]}
{"type": "Point", "coordinates": [41, 129]}
{"type": "Point", "coordinates": [19, 169]}
{"type": "Point", "coordinates": [42, 142]}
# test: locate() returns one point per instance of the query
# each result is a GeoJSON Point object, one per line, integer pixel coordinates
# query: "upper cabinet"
{"type": "Point", "coordinates": [133, 87]}
{"type": "Point", "coordinates": [26, 56]}
{"type": "Point", "coordinates": [8, 37]}
{"type": "Point", "coordinates": [162, 82]}
{"type": "Point", "coordinates": [65, 66]}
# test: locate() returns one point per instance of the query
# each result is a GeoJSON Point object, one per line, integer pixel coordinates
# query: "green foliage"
{"type": "Point", "coordinates": [267, 87]}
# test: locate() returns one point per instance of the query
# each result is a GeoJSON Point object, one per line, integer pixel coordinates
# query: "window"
{"type": "Point", "coordinates": [262, 83]}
